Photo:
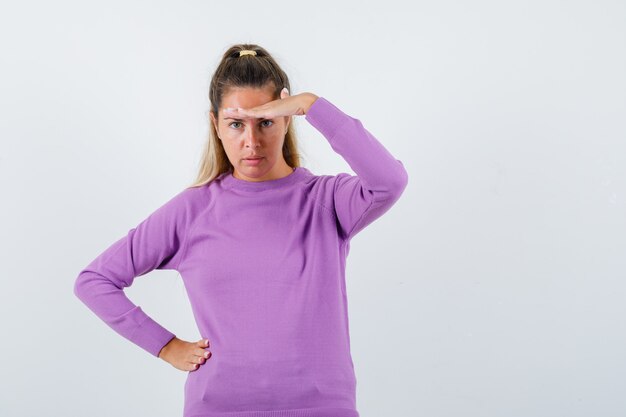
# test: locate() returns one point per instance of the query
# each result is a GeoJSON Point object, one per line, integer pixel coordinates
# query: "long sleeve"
{"type": "Point", "coordinates": [156, 243]}
{"type": "Point", "coordinates": [380, 178]}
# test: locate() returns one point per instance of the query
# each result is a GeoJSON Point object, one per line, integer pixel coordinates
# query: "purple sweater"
{"type": "Point", "coordinates": [263, 264]}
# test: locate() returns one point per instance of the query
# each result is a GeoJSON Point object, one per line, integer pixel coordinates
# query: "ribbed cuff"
{"type": "Point", "coordinates": [325, 117]}
{"type": "Point", "coordinates": [296, 412]}
{"type": "Point", "coordinates": [151, 336]}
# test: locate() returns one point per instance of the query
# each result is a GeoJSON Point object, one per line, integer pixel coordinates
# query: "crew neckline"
{"type": "Point", "coordinates": [229, 181]}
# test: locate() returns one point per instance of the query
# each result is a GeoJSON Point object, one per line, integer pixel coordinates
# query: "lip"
{"type": "Point", "coordinates": [253, 161]}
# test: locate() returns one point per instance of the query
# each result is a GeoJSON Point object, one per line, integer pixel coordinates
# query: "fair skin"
{"type": "Point", "coordinates": [249, 123]}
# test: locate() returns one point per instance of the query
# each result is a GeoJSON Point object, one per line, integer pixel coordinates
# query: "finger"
{"type": "Point", "coordinates": [201, 352]}
{"type": "Point", "coordinates": [234, 111]}
{"type": "Point", "coordinates": [196, 360]}
{"type": "Point", "coordinates": [240, 113]}
{"type": "Point", "coordinates": [206, 354]}
{"type": "Point", "coordinates": [230, 111]}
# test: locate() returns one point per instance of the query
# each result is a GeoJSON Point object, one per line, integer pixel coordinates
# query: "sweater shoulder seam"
{"type": "Point", "coordinates": [318, 202]}
{"type": "Point", "coordinates": [188, 232]}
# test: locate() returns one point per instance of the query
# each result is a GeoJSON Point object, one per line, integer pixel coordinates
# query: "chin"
{"type": "Point", "coordinates": [254, 172]}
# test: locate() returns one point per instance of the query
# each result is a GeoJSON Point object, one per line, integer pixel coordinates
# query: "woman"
{"type": "Point", "coordinates": [261, 245]}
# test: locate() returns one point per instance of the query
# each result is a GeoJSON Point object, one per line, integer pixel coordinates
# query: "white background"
{"type": "Point", "coordinates": [494, 287]}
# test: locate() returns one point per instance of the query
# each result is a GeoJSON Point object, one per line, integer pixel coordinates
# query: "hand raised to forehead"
{"type": "Point", "coordinates": [286, 105]}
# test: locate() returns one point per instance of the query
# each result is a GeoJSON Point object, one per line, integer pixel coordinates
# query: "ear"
{"type": "Point", "coordinates": [214, 121]}
{"type": "Point", "coordinates": [287, 121]}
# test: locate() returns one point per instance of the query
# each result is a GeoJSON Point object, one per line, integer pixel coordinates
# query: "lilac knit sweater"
{"type": "Point", "coordinates": [263, 264]}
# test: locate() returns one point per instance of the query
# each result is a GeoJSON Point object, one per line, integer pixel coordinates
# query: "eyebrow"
{"type": "Point", "coordinates": [241, 120]}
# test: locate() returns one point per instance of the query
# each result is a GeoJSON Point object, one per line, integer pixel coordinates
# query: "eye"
{"type": "Point", "coordinates": [271, 123]}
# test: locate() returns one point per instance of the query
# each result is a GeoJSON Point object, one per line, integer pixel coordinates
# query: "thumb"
{"type": "Point", "coordinates": [284, 93]}
{"type": "Point", "coordinates": [204, 342]}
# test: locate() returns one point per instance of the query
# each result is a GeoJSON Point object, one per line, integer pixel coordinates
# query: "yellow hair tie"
{"type": "Point", "coordinates": [247, 52]}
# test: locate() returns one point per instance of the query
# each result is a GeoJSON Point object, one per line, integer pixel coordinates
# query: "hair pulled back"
{"type": "Point", "coordinates": [234, 71]}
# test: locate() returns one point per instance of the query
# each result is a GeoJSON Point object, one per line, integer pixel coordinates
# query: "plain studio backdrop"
{"type": "Point", "coordinates": [494, 287]}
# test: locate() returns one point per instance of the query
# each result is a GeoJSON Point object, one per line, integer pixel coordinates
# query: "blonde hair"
{"type": "Point", "coordinates": [247, 70]}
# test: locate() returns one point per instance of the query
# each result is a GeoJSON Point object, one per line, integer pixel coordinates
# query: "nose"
{"type": "Point", "coordinates": [251, 139]}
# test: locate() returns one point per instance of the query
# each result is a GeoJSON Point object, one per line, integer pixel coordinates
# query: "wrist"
{"type": "Point", "coordinates": [165, 349]}
{"type": "Point", "coordinates": [309, 99]}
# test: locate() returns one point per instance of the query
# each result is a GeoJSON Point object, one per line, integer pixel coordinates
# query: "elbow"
{"type": "Point", "coordinates": [79, 285]}
{"type": "Point", "coordinates": [400, 182]}
{"type": "Point", "coordinates": [394, 187]}
{"type": "Point", "coordinates": [90, 283]}
{"type": "Point", "coordinates": [404, 175]}
{"type": "Point", "coordinates": [85, 284]}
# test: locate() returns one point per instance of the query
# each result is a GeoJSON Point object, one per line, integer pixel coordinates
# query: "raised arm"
{"type": "Point", "coordinates": [156, 243]}
{"type": "Point", "coordinates": [380, 178]}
